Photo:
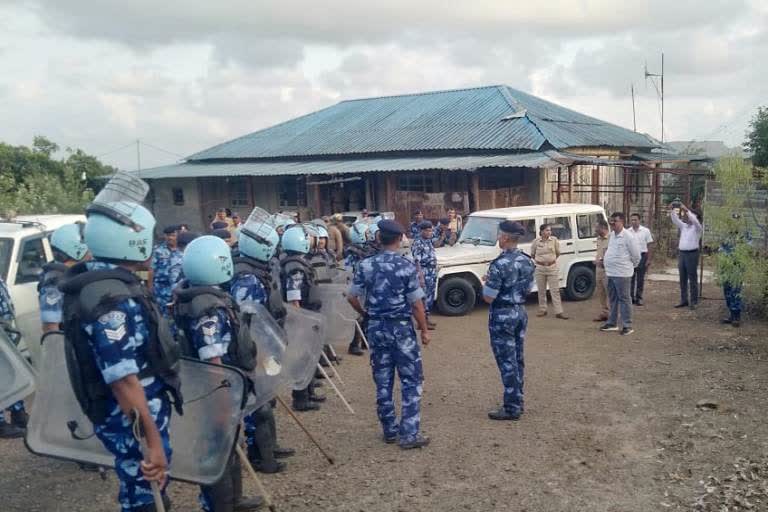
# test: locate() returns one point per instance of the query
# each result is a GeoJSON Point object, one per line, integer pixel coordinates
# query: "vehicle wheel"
{"type": "Point", "coordinates": [456, 297]}
{"type": "Point", "coordinates": [581, 283]}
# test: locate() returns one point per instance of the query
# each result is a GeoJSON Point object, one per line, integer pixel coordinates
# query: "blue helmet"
{"type": "Point", "coordinates": [358, 232]}
{"type": "Point", "coordinates": [372, 230]}
{"type": "Point", "coordinates": [322, 232]}
{"type": "Point", "coordinates": [109, 238]}
{"type": "Point", "coordinates": [262, 249]}
{"type": "Point", "coordinates": [208, 261]}
{"type": "Point", "coordinates": [296, 239]}
{"type": "Point", "coordinates": [68, 240]}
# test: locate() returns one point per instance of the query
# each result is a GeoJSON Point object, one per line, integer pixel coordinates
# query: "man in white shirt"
{"type": "Point", "coordinates": [620, 260]}
{"type": "Point", "coordinates": [645, 243]}
{"type": "Point", "coordinates": [687, 254]}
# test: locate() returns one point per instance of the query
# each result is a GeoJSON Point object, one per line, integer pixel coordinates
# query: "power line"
{"type": "Point", "coordinates": [115, 150]}
{"type": "Point", "coordinates": [162, 150]}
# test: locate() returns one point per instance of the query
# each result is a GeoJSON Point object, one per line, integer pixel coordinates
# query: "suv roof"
{"type": "Point", "coordinates": [539, 209]}
{"type": "Point", "coordinates": [38, 222]}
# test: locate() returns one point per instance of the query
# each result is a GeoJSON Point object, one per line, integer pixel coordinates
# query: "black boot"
{"type": "Point", "coordinates": [9, 431]}
{"type": "Point", "coordinates": [314, 397]}
{"type": "Point", "coordinates": [242, 503]}
{"type": "Point", "coordinates": [301, 401]}
{"type": "Point", "coordinates": [19, 419]}
{"type": "Point", "coordinates": [280, 452]}
{"type": "Point", "coordinates": [354, 348]}
{"type": "Point", "coordinates": [329, 353]}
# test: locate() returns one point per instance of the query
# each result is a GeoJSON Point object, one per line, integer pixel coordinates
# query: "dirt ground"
{"type": "Point", "coordinates": [611, 424]}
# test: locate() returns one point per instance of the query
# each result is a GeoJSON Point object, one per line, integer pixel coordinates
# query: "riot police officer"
{"type": "Point", "coordinates": [166, 258]}
{"type": "Point", "coordinates": [355, 252]}
{"type": "Point", "coordinates": [68, 250]}
{"type": "Point", "coordinates": [255, 280]}
{"type": "Point", "coordinates": [423, 252]}
{"type": "Point", "coordinates": [390, 285]}
{"type": "Point", "coordinates": [124, 351]}
{"type": "Point", "coordinates": [298, 279]}
{"type": "Point", "coordinates": [509, 280]}
{"type": "Point", "coordinates": [206, 315]}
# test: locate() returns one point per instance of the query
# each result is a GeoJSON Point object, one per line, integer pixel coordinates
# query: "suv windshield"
{"type": "Point", "coordinates": [6, 249]}
{"type": "Point", "coordinates": [480, 231]}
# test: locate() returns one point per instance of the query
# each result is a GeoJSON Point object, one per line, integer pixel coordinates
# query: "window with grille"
{"type": "Point", "coordinates": [178, 196]}
{"type": "Point", "coordinates": [238, 192]}
{"type": "Point", "coordinates": [417, 183]}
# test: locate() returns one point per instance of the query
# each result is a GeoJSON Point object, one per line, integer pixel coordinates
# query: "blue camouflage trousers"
{"type": "Point", "coordinates": [18, 406]}
{"type": "Point", "coordinates": [430, 281]}
{"type": "Point", "coordinates": [733, 300]}
{"type": "Point", "coordinates": [116, 434]}
{"type": "Point", "coordinates": [394, 346]}
{"type": "Point", "coordinates": [507, 330]}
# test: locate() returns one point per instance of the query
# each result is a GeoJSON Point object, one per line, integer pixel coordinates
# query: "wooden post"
{"type": "Point", "coordinates": [390, 184]}
{"type": "Point", "coordinates": [596, 184]}
{"type": "Point", "coordinates": [558, 184]}
{"type": "Point", "coordinates": [316, 203]}
{"type": "Point", "coordinates": [475, 187]}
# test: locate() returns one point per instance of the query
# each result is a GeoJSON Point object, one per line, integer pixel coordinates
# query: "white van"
{"type": "Point", "coordinates": [24, 249]}
{"type": "Point", "coordinates": [460, 268]}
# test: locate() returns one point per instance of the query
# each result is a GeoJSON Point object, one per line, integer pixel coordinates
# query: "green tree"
{"type": "Point", "coordinates": [757, 138]}
{"type": "Point", "coordinates": [738, 220]}
{"type": "Point", "coordinates": [33, 181]}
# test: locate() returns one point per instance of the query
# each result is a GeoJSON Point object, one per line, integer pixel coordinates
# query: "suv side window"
{"type": "Point", "coordinates": [31, 260]}
{"type": "Point", "coordinates": [585, 224]}
{"type": "Point", "coordinates": [530, 230]}
{"type": "Point", "coordinates": [561, 227]}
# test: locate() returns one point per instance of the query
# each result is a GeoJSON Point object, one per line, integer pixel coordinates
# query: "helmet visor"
{"type": "Point", "coordinates": [258, 226]}
{"type": "Point", "coordinates": [119, 198]}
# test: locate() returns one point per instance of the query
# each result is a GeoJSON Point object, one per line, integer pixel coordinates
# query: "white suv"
{"type": "Point", "coordinates": [460, 268]}
{"type": "Point", "coordinates": [24, 249]}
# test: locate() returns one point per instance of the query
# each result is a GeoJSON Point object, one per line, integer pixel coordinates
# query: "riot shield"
{"type": "Point", "coordinates": [258, 226]}
{"type": "Point", "coordinates": [202, 439]}
{"type": "Point", "coordinates": [341, 275]}
{"type": "Point", "coordinates": [31, 331]}
{"type": "Point", "coordinates": [268, 376]}
{"type": "Point", "coordinates": [339, 315]}
{"type": "Point", "coordinates": [120, 197]}
{"type": "Point", "coordinates": [305, 332]}
{"type": "Point", "coordinates": [17, 378]}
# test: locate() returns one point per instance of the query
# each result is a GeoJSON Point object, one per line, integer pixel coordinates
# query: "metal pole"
{"type": "Point", "coordinates": [662, 102]}
{"type": "Point", "coordinates": [634, 117]}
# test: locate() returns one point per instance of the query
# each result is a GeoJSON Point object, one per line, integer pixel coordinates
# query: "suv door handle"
{"type": "Point", "coordinates": [569, 243]}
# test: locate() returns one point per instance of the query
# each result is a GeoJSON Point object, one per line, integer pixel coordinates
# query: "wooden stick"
{"type": "Point", "coordinates": [307, 432]}
{"type": "Point", "coordinates": [262, 490]}
{"type": "Point", "coordinates": [362, 335]}
{"type": "Point", "coordinates": [155, 486]}
{"type": "Point", "coordinates": [333, 353]}
{"type": "Point", "coordinates": [333, 368]}
{"type": "Point", "coordinates": [336, 389]}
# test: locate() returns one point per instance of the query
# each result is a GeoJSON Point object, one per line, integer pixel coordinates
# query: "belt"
{"type": "Point", "coordinates": [394, 319]}
{"type": "Point", "coordinates": [546, 264]}
{"type": "Point", "coordinates": [689, 250]}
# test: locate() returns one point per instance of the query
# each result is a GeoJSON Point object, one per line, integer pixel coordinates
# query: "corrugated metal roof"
{"type": "Point", "coordinates": [533, 159]}
{"type": "Point", "coordinates": [485, 118]}
{"type": "Point", "coordinates": [359, 165]}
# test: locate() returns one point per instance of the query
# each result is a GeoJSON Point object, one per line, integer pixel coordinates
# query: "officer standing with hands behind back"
{"type": "Point", "coordinates": [390, 285]}
{"type": "Point", "coordinates": [509, 280]}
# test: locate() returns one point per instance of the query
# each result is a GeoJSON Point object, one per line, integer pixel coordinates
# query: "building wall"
{"type": "Point", "coordinates": [167, 212]}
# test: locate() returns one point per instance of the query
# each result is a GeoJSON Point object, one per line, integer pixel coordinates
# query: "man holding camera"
{"type": "Point", "coordinates": [688, 252]}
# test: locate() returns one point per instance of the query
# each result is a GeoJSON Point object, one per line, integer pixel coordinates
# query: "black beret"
{"type": "Point", "coordinates": [391, 227]}
{"type": "Point", "coordinates": [171, 229]}
{"type": "Point", "coordinates": [445, 221]}
{"type": "Point", "coordinates": [219, 225]}
{"type": "Point", "coordinates": [425, 224]}
{"type": "Point", "coordinates": [224, 234]}
{"type": "Point", "coordinates": [185, 237]}
{"type": "Point", "coordinates": [512, 228]}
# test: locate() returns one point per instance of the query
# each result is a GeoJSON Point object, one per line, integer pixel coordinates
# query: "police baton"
{"type": "Point", "coordinates": [262, 490]}
{"type": "Point", "coordinates": [303, 428]}
{"type": "Point", "coordinates": [139, 435]}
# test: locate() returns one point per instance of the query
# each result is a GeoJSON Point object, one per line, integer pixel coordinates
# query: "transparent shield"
{"type": "Point", "coordinates": [280, 219]}
{"type": "Point", "coordinates": [341, 276]}
{"type": "Point", "coordinates": [258, 225]}
{"type": "Point", "coordinates": [17, 378]}
{"type": "Point", "coordinates": [339, 315]}
{"type": "Point", "coordinates": [269, 375]}
{"type": "Point", "coordinates": [202, 438]}
{"type": "Point", "coordinates": [305, 332]}
{"type": "Point", "coordinates": [120, 197]}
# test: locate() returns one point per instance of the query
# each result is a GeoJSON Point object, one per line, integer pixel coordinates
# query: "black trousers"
{"type": "Point", "coordinates": [638, 278]}
{"type": "Point", "coordinates": [688, 268]}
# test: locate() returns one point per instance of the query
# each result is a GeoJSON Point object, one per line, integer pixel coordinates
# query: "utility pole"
{"type": "Point", "coordinates": [138, 157]}
{"type": "Point", "coordinates": [634, 116]}
{"type": "Point", "coordinates": [661, 93]}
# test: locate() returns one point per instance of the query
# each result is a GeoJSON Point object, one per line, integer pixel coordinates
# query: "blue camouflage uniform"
{"type": "Point", "coordinates": [8, 316]}
{"type": "Point", "coordinates": [423, 251]}
{"type": "Point", "coordinates": [166, 273]}
{"type": "Point", "coordinates": [249, 288]}
{"type": "Point", "coordinates": [390, 285]}
{"type": "Point", "coordinates": [209, 336]}
{"type": "Point", "coordinates": [510, 279]}
{"type": "Point", "coordinates": [119, 340]}
{"type": "Point", "coordinates": [731, 291]}
{"type": "Point", "coordinates": [51, 301]}
{"type": "Point", "coordinates": [414, 230]}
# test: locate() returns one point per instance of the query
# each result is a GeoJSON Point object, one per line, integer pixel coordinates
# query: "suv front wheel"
{"type": "Point", "coordinates": [581, 283]}
{"type": "Point", "coordinates": [456, 296]}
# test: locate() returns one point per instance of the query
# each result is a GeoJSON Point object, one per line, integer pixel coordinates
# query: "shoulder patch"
{"type": "Point", "coordinates": [113, 319]}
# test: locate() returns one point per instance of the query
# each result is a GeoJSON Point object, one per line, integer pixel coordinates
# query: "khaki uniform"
{"type": "Point", "coordinates": [601, 280]}
{"type": "Point", "coordinates": [545, 254]}
{"type": "Point", "coordinates": [335, 242]}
